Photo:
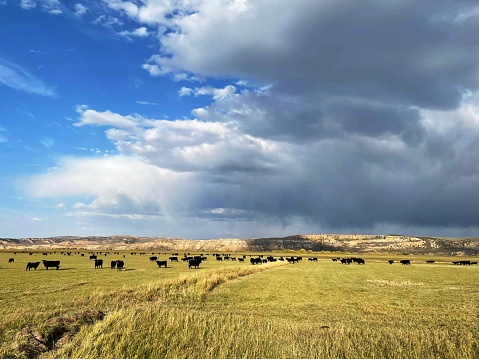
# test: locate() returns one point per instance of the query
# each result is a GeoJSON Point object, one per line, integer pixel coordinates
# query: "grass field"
{"type": "Point", "coordinates": [236, 310]}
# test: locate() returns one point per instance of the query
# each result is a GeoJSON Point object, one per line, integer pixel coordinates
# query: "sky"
{"type": "Point", "coordinates": [239, 118]}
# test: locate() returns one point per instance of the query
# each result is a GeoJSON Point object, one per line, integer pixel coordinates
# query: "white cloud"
{"type": "Point", "coordinates": [139, 32]}
{"type": "Point", "coordinates": [147, 103]}
{"type": "Point", "coordinates": [218, 94]}
{"type": "Point", "coordinates": [154, 70]}
{"type": "Point", "coordinates": [185, 91]}
{"type": "Point", "coordinates": [28, 4]}
{"type": "Point", "coordinates": [80, 9]}
{"type": "Point", "coordinates": [183, 76]}
{"type": "Point", "coordinates": [201, 113]}
{"type": "Point", "coordinates": [52, 7]}
{"type": "Point", "coordinates": [16, 77]}
{"type": "Point", "coordinates": [156, 189]}
{"type": "Point", "coordinates": [128, 7]}
{"type": "Point", "coordinates": [53, 11]}
{"type": "Point", "coordinates": [106, 118]}
{"type": "Point", "coordinates": [36, 219]}
{"type": "Point", "coordinates": [107, 21]}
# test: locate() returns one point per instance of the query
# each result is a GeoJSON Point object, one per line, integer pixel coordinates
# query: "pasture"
{"type": "Point", "coordinates": [229, 309]}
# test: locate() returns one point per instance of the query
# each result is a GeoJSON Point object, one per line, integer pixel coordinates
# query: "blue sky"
{"type": "Point", "coordinates": [208, 119]}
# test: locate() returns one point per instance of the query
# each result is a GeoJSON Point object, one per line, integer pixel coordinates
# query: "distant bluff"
{"type": "Point", "coordinates": [358, 243]}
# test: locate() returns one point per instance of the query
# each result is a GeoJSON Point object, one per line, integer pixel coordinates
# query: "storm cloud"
{"type": "Point", "coordinates": [358, 116]}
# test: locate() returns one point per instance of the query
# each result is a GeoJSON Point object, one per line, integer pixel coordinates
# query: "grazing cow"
{"type": "Point", "coordinates": [51, 264]}
{"type": "Point", "coordinates": [241, 260]}
{"type": "Point", "coordinates": [256, 261]}
{"type": "Point", "coordinates": [33, 265]}
{"type": "Point", "coordinates": [113, 264]}
{"type": "Point", "coordinates": [219, 258]}
{"type": "Point", "coordinates": [405, 262]}
{"type": "Point", "coordinates": [430, 262]}
{"type": "Point", "coordinates": [346, 260]}
{"type": "Point", "coordinates": [173, 259]}
{"type": "Point", "coordinates": [390, 261]}
{"type": "Point", "coordinates": [93, 256]}
{"type": "Point", "coordinates": [194, 263]}
{"type": "Point", "coordinates": [474, 263]}
{"type": "Point", "coordinates": [98, 263]}
{"type": "Point", "coordinates": [462, 263]}
{"type": "Point", "coordinates": [11, 260]}
{"type": "Point", "coordinates": [153, 258]}
{"type": "Point", "coordinates": [313, 259]}
{"type": "Point", "coordinates": [292, 259]}
{"type": "Point", "coordinates": [83, 254]}
{"type": "Point", "coordinates": [162, 263]}
{"type": "Point", "coordinates": [334, 259]}
{"type": "Point", "coordinates": [357, 260]}
{"type": "Point", "coordinates": [120, 265]}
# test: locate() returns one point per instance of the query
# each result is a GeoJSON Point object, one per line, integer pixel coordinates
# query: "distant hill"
{"type": "Point", "coordinates": [357, 243]}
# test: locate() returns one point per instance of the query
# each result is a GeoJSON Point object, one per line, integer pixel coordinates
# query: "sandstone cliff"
{"type": "Point", "coordinates": [316, 242]}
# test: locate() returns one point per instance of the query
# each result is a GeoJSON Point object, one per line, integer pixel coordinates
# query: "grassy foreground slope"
{"type": "Point", "coordinates": [306, 310]}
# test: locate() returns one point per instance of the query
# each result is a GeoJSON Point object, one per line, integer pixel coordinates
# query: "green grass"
{"type": "Point", "coordinates": [235, 310]}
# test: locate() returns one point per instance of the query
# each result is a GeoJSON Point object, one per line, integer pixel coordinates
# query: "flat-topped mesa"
{"type": "Point", "coordinates": [315, 242]}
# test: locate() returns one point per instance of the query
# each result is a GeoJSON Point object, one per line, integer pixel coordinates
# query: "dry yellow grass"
{"type": "Point", "coordinates": [232, 310]}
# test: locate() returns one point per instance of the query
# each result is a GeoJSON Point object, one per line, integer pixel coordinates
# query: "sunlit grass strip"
{"type": "Point", "coordinates": [187, 289]}
{"type": "Point", "coordinates": [165, 332]}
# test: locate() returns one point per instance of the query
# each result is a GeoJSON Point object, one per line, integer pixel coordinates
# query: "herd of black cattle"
{"type": "Point", "coordinates": [196, 260]}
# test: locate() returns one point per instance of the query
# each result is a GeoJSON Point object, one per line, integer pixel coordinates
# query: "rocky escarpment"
{"type": "Point", "coordinates": [357, 243]}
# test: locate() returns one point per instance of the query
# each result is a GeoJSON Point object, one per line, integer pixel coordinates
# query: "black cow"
{"type": "Point", "coordinates": [241, 259]}
{"type": "Point", "coordinates": [462, 263]}
{"type": "Point", "coordinates": [11, 260]}
{"type": "Point", "coordinates": [256, 261]}
{"type": "Point", "coordinates": [219, 258]}
{"type": "Point", "coordinates": [51, 264]}
{"type": "Point", "coordinates": [390, 261]}
{"type": "Point", "coordinates": [360, 261]}
{"type": "Point", "coordinates": [173, 259]}
{"type": "Point", "coordinates": [405, 262]}
{"type": "Point", "coordinates": [313, 259]}
{"type": "Point", "coordinates": [430, 262]}
{"type": "Point", "coordinates": [33, 265]}
{"type": "Point", "coordinates": [98, 263]}
{"type": "Point", "coordinates": [194, 263]}
{"type": "Point", "coordinates": [162, 263]}
{"type": "Point", "coordinates": [93, 256]}
{"type": "Point", "coordinates": [346, 260]}
{"type": "Point", "coordinates": [292, 260]}
{"type": "Point", "coordinates": [113, 264]}
{"type": "Point", "coordinates": [153, 259]}
{"type": "Point", "coordinates": [120, 265]}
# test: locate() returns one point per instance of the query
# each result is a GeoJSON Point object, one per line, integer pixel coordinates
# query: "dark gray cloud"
{"type": "Point", "coordinates": [400, 52]}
